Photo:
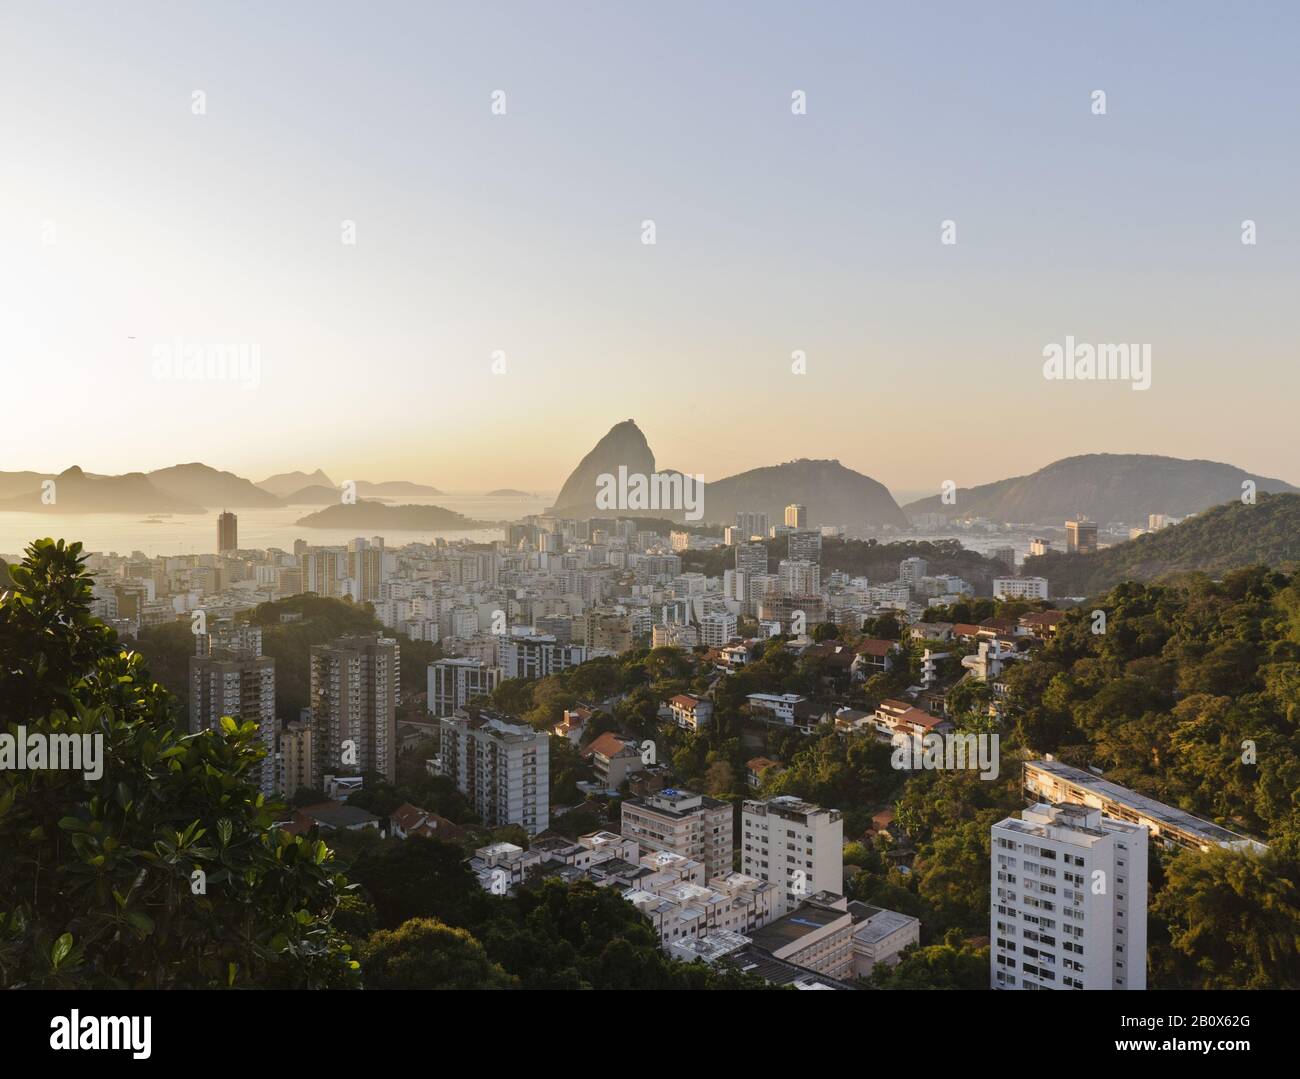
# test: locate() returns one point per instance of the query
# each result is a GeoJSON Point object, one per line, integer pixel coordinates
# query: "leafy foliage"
{"type": "Point", "coordinates": [98, 882]}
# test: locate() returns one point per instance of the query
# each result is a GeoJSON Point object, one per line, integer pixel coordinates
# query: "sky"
{"type": "Point", "coordinates": [186, 175]}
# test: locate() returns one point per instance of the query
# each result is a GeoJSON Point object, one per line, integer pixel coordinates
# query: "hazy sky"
{"type": "Point", "coordinates": [128, 221]}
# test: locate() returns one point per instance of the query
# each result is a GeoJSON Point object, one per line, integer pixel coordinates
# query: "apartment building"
{"type": "Point", "coordinates": [454, 682]}
{"type": "Point", "coordinates": [691, 713]}
{"type": "Point", "coordinates": [1020, 588]}
{"type": "Point", "coordinates": [502, 767]}
{"type": "Point", "coordinates": [243, 689]}
{"type": "Point", "coordinates": [684, 911]}
{"type": "Point", "coordinates": [817, 936]}
{"type": "Point", "coordinates": [717, 629]}
{"type": "Point", "coordinates": [538, 656]}
{"type": "Point", "coordinates": [1068, 900]}
{"type": "Point", "coordinates": [365, 568]}
{"type": "Point", "coordinates": [751, 564]}
{"type": "Point", "coordinates": [805, 545]}
{"type": "Point", "coordinates": [750, 525]}
{"type": "Point", "coordinates": [796, 845]}
{"type": "Point", "coordinates": [1081, 536]}
{"type": "Point", "coordinates": [692, 825]}
{"type": "Point", "coordinates": [229, 676]}
{"type": "Point", "coordinates": [353, 697]}
{"type": "Point", "coordinates": [613, 759]}
{"type": "Point", "coordinates": [323, 570]}
{"type": "Point", "coordinates": [1052, 781]}
{"type": "Point", "coordinates": [799, 577]}
{"type": "Point", "coordinates": [911, 570]}
{"type": "Point", "coordinates": [296, 762]}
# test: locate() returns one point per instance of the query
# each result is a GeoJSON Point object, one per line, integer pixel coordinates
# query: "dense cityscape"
{"type": "Point", "coordinates": [614, 498]}
{"type": "Point", "coordinates": [728, 727]}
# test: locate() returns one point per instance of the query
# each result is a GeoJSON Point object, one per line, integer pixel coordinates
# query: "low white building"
{"type": "Point", "coordinates": [691, 713]}
{"type": "Point", "coordinates": [779, 706]}
{"type": "Point", "coordinates": [1020, 588]}
{"type": "Point", "coordinates": [879, 936]}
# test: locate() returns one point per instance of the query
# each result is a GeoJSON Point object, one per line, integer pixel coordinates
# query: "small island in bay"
{"type": "Point", "coordinates": [508, 492]}
{"type": "Point", "coordinates": [369, 514]}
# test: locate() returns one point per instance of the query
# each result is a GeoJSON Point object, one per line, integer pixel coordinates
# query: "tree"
{"type": "Point", "coordinates": [1232, 920]}
{"type": "Point", "coordinates": [720, 779]}
{"type": "Point", "coordinates": [419, 878]}
{"type": "Point", "coordinates": [425, 953]}
{"type": "Point", "coordinates": [940, 966]}
{"type": "Point", "coordinates": [165, 870]}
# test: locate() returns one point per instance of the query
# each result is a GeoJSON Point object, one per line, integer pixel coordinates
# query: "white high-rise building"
{"type": "Point", "coordinates": [911, 570]}
{"type": "Point", "coordinates": [794, 844]}
{"type": "Point", "coordinates": [454, 682]}
{"type": "Point", "coordinates": [503, 767]}
{"type": "Point", "coordinates": [717, 629]}
{"type": "Point", "coordinates": [1020, 588]}
{"type": "Point", "coordinates": [1068, 900]}
{"type": "Point", "coordinates": [796, 516]}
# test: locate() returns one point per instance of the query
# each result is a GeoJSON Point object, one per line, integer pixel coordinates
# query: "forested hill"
{"type": "Point", "coordinates": [1221, 539]}
{"type": "Point", "coordinates": [867, 558]}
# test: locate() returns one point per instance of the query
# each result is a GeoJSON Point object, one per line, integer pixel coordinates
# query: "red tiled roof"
{"type": "Point", "coordinates": [607, 745]}
{"type": "Point", "coordinates": [874, 646]}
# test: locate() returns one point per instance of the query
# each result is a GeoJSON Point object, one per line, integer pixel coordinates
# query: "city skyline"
{"type": "Point", "coordinates": [516, 235]}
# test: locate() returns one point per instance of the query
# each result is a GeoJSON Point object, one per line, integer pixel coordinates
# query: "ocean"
{"type": "Point", "coordinates": [258, 528]}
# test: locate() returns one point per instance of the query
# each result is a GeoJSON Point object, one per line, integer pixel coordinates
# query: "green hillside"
{"type": "Point", "coordinates": [1224, 538]}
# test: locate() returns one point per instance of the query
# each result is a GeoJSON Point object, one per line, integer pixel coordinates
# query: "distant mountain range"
{"type": "Point", "coordinates": [188, 488]}
{"type": "Point", "coordinates": [205, 486]}
{"type": "Point", "coordinates": [1121, 487]}
{"type": "Point", "coordinates": [1105, 487]}
{"type": "Point", "coordinates": [286, 483]}
{"type": "Point", "coordinates": [832, 493]}
{"type": "Point", "coordinates": [75, 491]}
{"type": "Point", "coordinates": [1217, 541]}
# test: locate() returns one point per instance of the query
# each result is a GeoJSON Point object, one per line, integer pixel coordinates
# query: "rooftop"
{"type": "Point", "coordinates": [794, 926]}
{"type": "Point", "coordinates": [1147, 807]}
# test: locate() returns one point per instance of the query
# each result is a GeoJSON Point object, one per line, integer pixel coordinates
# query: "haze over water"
{"type": "Point", "coordinates": [258, 528]}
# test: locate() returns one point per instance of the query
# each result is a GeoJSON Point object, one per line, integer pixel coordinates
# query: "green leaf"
{"type": "Point", "coordinates": [60, 951]}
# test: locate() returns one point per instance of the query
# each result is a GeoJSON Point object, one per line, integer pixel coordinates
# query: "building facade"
{"type": "Point", "coordinates": [1068, 898]}
{"type": "Point", "coordinates": [796, 845]}
{"type": "Point", "coordinates": [502, 767]}
{"type": "Point", "coordinates": [353, 698]}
